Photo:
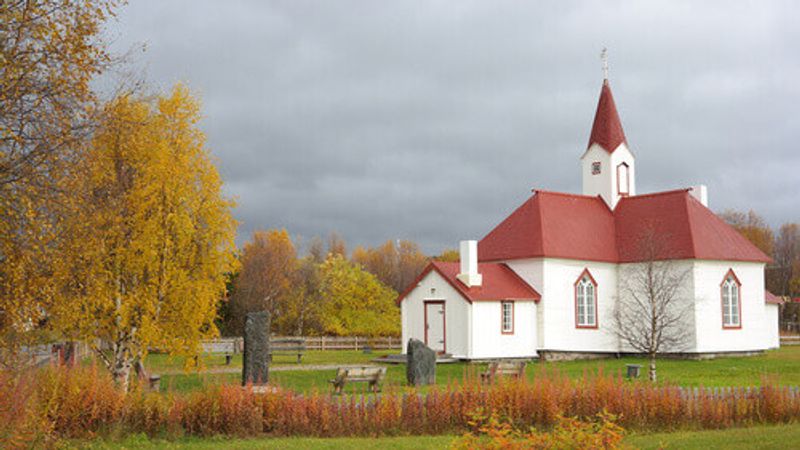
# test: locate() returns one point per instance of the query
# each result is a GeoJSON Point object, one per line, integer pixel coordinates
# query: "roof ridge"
{"type": "Point", "coordinates": [690, 223]}
{"type": "Point", "coordinates": [519, 277]}
{"type": "Point", "coordinates": [656, 194]}
{"type": "Point", "coordinates": [540, 217]}
{"type": "Point", "coordinates": [563, 194]}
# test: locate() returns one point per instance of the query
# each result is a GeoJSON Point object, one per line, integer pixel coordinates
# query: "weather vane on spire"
{"type": "Point", "coordinates": [604, 58]}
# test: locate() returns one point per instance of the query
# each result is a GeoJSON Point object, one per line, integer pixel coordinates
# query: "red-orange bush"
{"type": "Point", "coordinates": [83, 402]}
{"type": "Point", "coordinates": [21, 426]}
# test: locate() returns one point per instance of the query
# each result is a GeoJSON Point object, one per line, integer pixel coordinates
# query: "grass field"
{"type": "Point", "coordinates": [761, 437]}
{"type": "Point", "coordinates": [781, 365]}
{"type": "Point", "coordinates": [162, 362]}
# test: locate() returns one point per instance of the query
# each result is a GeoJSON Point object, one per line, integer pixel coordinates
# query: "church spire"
{"type": "Point", "coordinates": [608, 166]}
{"type": "Point", "coordinates": [607, 128]}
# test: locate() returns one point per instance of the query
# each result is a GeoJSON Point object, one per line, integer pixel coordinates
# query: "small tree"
{"type": "Point", "coordinates": [266, 281]}
{"type": "Point", "coordinates": [354, 302]}
{"type": "Point", "coordinates": [651, 316]}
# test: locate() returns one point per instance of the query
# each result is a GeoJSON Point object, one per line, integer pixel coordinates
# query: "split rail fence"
{"type": "Point", "coordinates": [234, 345]}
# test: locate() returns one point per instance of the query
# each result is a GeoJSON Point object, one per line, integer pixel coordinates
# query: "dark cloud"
{"type": "Point", "coordinates": [431, 120]}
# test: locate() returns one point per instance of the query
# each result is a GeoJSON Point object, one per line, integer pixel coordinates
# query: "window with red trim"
{"type": "Point", "coordinates": [507, 317]}
{"type": "Point", "coordinates": [731, 301]}
{"type": "Point", "coordinates": [586, 301]}
{"type": "Point", "coordinates": [623, 179]}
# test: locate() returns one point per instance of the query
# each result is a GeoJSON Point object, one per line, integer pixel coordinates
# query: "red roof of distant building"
{"type": "Point", "coordinates": [769, 297]}
{"type": "Point", "coordinates": [607, 128]}
{"type": "Point", "coordinates": [499, 282]}
{"type": "Point", "coordinates": [572, 226]}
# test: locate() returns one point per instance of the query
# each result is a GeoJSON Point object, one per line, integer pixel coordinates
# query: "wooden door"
{"type": "Point", "coordinates": [435, 336]}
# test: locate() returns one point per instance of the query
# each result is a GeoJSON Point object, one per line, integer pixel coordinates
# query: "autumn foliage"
{"type": "Point", "coordinates": [55, 403]}
{"type": "Point", "coordinates": [320, 293]}
{"type": "Point", "coordinates": [149, 238]}
{"type": "Point", "coordinates": [49, 53]}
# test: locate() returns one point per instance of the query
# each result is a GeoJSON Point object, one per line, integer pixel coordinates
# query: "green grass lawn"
{"type": "Point", "coordinates": [309, 380]}
{"type": "Point", "coordinates": [760, 437]}
{"type": "Point", "coordinates": [159, 362]}
{"type": "Point", "coordinates": [781, 365]}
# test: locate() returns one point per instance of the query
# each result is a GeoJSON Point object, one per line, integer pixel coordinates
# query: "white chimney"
{"type": "Point", "coordinates": [700, 192]}
{"type": "Point", "coordinates": [469, 264]}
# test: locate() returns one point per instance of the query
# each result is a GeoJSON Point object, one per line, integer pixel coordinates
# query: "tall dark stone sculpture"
{"type": "Point", "coordinates": [421, 363]}
{"type": "Point", "coordinates": [255, 367]}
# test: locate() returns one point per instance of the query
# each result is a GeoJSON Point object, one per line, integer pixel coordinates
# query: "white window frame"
{"type": "Point", "coordinates": [507, 317]}
{"type": "Point", "coordinates": [586, 301]}
{"type": "Point", "coordinates": [731, 296]}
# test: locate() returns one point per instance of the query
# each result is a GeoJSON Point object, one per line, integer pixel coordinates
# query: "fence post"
{"type": "Point", "coordinates": [322, 341]}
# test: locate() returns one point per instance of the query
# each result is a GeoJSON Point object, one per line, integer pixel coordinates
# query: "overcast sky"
{"type": "Point", "coordinates": [432, 120]}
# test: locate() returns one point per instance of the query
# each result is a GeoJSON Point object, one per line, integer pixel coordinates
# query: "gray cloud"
{"type": "Point", "coordinates": [432, 120]}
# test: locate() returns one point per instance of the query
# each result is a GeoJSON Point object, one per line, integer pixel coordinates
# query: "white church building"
{"type": "Point", "coordinates": [544, 282]}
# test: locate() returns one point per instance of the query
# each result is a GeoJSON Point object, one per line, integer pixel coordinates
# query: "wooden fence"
{"type": "Point", "coordinates": [44, 354]}
{"type": "Point", "coordinates": [723, 393]}
{"type": "Point", "coordinates": [352, 343]}
{"type": "Point", "coordinates": [234, 345]}
{"type": "Point", "coordinates": [790, 340]}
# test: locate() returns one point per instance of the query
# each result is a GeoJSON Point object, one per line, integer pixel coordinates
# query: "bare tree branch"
{"type": "Point", "coordinates": [651, 316]}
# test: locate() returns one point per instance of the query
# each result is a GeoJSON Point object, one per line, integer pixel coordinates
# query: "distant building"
{"type": "Point", "coordinates": [545, 280]}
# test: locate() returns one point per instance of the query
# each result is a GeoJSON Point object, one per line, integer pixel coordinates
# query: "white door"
{"type": "Point", "coordinates": [434, 326]}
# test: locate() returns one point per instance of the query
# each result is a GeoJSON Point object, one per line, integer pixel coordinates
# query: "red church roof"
{"type": "Point", "coordinates": [769, 297]}
{"type": "Point", "coordinates": [554, 224]}
{"type": "Point", "coordinates": [572, 226]}
{"type": "Point", "coordinates": [607, 128]}
{"type": "Point", "coordinates": [499, 282]}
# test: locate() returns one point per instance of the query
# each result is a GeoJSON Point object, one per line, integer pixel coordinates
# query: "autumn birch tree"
{"type": "Point", "coordinates": [147, 250]}
{"type": "Point", "coordinates": [652, 314]}
{"type": "Point", "coordinates": [49, 53]}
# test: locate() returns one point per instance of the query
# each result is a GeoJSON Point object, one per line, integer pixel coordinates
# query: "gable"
{"type": "Point", "coordinates": [499, 282]}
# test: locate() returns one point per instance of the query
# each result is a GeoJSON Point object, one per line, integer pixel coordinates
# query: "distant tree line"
{"type": "Point", "coordinates": [783, 246]}
{"type": "Point", "coordinates": [325, 290]}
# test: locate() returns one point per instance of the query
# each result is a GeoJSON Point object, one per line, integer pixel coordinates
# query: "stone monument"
{"type": "Point", "coordinates": [421, 363]}
{"type": "Point", "coordinates": [255, 367]}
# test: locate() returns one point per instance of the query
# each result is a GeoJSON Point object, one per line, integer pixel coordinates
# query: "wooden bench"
{"type": "Point", "coordinates": [514, 369]}
{"type": "Point", "coordinates": [287, 346]}
{"type": "Point", "coordinates": [372, 375]}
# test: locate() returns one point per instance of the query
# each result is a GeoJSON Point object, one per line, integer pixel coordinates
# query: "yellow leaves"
{"type": "Point", "coordinates": [152, 226]}
{"type": "Point", "coordinates": [355, 302]}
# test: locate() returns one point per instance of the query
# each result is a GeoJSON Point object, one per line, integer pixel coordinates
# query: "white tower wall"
{"type": "Point", "coordinates": [611, 179]}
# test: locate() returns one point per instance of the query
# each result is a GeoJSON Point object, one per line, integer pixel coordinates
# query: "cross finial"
{"type": "Point", "coordinates": [604, 58]}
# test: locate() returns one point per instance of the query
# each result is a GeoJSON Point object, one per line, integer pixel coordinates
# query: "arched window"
{"type": "Point", "coordinates": [731, 301]}
{"type": "Point", "coordinates": [586, 301]}
{"type": "Point", "coordinates": [623, 179]}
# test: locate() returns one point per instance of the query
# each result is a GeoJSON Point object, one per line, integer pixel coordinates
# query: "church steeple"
{"type": "Point", "coordinates": [608, 165]}
{"type": "Point", "coordinates": [607, 128]}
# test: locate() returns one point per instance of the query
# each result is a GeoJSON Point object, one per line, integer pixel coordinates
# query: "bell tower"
{"type": "Point", "coordinates": [608, 166]}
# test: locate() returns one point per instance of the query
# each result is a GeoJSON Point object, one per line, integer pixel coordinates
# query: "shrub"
{"type": "Point", "coordinates": [21, 426]}
{"type": "Point", "coordinates": [58, 402]}
{"type": "Point", "coordinates": [494, 432]}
